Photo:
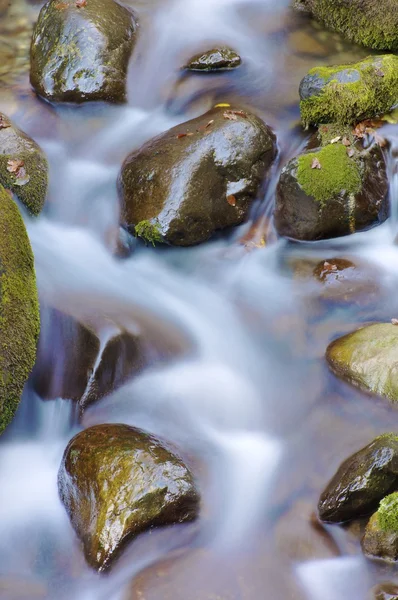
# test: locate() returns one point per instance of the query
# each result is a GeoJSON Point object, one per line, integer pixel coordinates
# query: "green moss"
{"type": "Point", "coordinates": [19, 308]}
{"type": "Point", "coordinates": [331, 131]}
{"type": "Point", "coordinates": [33, 193]}
{"type": "Point", "coordinates": [387, 515]}
{"type": "Point", "coordinates": [150, 232]}
{"type": "Point", "coordinates": [338, 172]}
{"type": "Point", "coordinates": [376, 92]}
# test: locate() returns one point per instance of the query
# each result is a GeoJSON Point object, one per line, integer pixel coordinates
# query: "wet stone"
{"type": "Point", "coordinates": [117, 482]}
{"type": "Point", "coordinates": [217, 59]}
{"type": "Point", "coordinates": [385, 591]}
{"type": "Point", "coordinates": [344, 281]}
{"type": "Point", "coordinates": [381, 534]}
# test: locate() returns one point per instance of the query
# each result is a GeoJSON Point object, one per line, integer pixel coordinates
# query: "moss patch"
{"type": "Point", "coordinates": [338, 172]}
{"type": "Point", "coordinates": [375, 92]}
{"type": "Point", "coordinates": [19, 308]}
{"type": "Point", "coordinates": [150, 232]}
{"type": "Point", "coordinates": [387, 515]}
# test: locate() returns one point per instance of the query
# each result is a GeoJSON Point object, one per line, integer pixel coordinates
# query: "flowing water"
{"type": "Point", "coordinates": [243, 391]}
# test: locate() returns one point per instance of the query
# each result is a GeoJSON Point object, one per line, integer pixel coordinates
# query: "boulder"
{"type": "Point", "coordinates": [196, 178]}
{"type": "Point", "coordinates": [349, 93]}
{"type": "Point", "coordinates": [217, 59]}
{"type": "Point", "coordinates": [368, 358]}
{"type": "Point", "coordinates": [372, 23]}
{"type": "Point", "coordinates": [381, 534]}
{"type": "Point", "coordinates": [116, 482]}
{"type": "Point", "coordinates": [19, 308]}
{"type": "Point", "coordinates": [23, 166]}
{"type": "Point", "coordinates": [361, 481]}
{"type": "Point", "coordinates": [80, 50]}
{"type": "Point", "coordinates": [331, 191]}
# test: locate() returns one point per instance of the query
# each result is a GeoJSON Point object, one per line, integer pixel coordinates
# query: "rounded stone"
{"type": "Point", "coordinates": [217, 59]}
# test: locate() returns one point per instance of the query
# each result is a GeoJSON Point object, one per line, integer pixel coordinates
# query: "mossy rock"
{"type": "Point", "coordinates": [82, 53]}
{"type": "Point", "coordinates": [349, 93]}
{"type": "Point", "coordinates": [196, 178]}
{"type": "Point", "coordinates": [371, 23]}
{"type": "Point", "coordinates": [116, 482]}
{"type": "Point", "coordinates": [331, 191]}
{"type": "Point", "coordinates": [217, 59]}
{"type": "Point", "coordinates": [23, 166]}
{"type": "Point", "coordinates": [361, 481]}
{"type": "Point", "coordinates": [19, 308]}
{"type": "Point", "coordinates": [381, 534]}
{"type": "Point", "coordinates": [368, 358]}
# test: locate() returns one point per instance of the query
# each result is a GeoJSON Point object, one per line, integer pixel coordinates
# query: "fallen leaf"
{"type": "Point", "coordinates": [240, 113]}
{"type": "Point", "coordinates": [345, 141]}
{"type": "Point", "coordinates": [231, 200]}
{"type": "Point", "coordinates": [379, 72]}
{"type": "Point", "coordinates": [13, 165]}
{"type": "Point", "coordinates": [222, 105]}
{"type": "Point", "coordinates": [81, 3]}
{"type": "Point", "coordinates": [394, 321]}
{"type": "Point", "coordinates": [350, 152]}
{"type": "Point", "coordinates": [189, 133]}
{"type": "Point", "coordinates": [181, 135]}
{"type": "Point", "coordinates": [329, 267]}
{"type": "Point", "coordinates": [210, 123]}
{"type": "Point", "coordinates": [335, 140]}
{"type": "Point", "coordinates": [230, 115]}
{"type": "Point", "coordinates": [316, 164]}
{"type": "Point", "coordinates": [22, 178]}
{"type": "Point", "coordinates": [3, 123]}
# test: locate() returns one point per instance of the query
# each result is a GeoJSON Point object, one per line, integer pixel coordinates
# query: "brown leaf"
{"type": "Point", "coordinates": [316, 164]}
{"type": "Point", "coordinates": [345, 141]}
{"type": "Point", "coordinates": [81, 3]}
{"type": "Point", "coordinates": [13, 165]}
{"type": "Point", "coordinates": [394, 321]}
{"type": "Point", "coordinates": [329, 267]}
{"type": "Point", "coordinates": [189, 133]}
{"type": "Point", "coordinates": [181, 135]}
{"type": "Point", "coordinates": [3, 123]}
{"type": "Point", "coordinates": [350, 152]}
{"type": "Point", "coordinates": [240, 113]}
{"type": "Point", "coordinates": [230, 115]}
{"type": "Point", "coordinates": [210, 123]}
{"type": "Point", "coordinates": [231, 200]}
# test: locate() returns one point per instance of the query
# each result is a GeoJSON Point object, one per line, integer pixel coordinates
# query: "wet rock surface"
{"type": "Point", "coordinates": [372, 23]}
{"type": "Point", "coordinates": [18, 306]}
{"type": "Point", "coordinates": [116, 482]}
{"type": "Point", "coordinates": [196, 178]}
{"type": "Point", "coordinates": [381, 534]}
{"type": "Point", "coordinates": [361, 481]}
{"type": "Point", "coordinates": [23, 166]}
{"type": "Point", "coordinates": [217, 59]}
{"type": "Point", "coordinates": [385, 591]}
{"type": "Point", "coordinates": [80, 51]}
{"type": "Point", "coordinates": [343, 281]}
{"type": "Point", "coordinates": [349, 93]}
{"type": "Point", "coordinates": [332, 191]}
{"type": "Point", "coordinates": [368, 359]}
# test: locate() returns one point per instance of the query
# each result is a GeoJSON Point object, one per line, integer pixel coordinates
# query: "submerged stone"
{"type": "Point", "coordinates": [361, 481]}
{"type": "Point", "coordinates": [217, 59]}
{"type": "Point", "coordinates": [344, 281]}
{"type": "Point", "coordinates": [80, 51]}
{"type": "Point", "coordinates": [368, 358]}
{"type": "Point", "coordinates": [349, 93]}
{"type": "Point", "coordinates": [116, 482]}
{"type": "Point", "coordinates": [331, 191]}
{"type": "Point", "coordinates": [372, 23]}
{"type": "Point", "coordinates": [381, 534]}
{"type": "Point", "coordinates": [19, 308]}
{"type": "Point", "coordinates": [198, 177]}
{"type": "Point", "coordinates": [23, 166]}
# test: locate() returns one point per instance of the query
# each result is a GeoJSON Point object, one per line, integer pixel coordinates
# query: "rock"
{"type": "Point", "coordinates": [368, 358]}
{"type": "Point", "coordinates": [198, 177]}
{"type": "Point", "coordinates": [217, 59]}
{"type": "Point", "coordinates": [381, 534]}
{"type": "Point", "coordinates": [81, 51]}
{"type": "Point", "coordinates": [330, 192]}
{"type": "Point", "coordinates": [116, 482]}
{"type": "Point", "coordinates": [349, 93]}
{"type": "Point", "coordinates": [385, 591]}
{"type": "Point", "coordinates": [19, 308]}
{"type": "Point", "coordinates": [372, 23]}
{"type": "Point", "coordinates": [361, 481]}
{"type": "Point", "coordinates": [23, 166]}
{"type": "Point", "coordinates": [345, 281]}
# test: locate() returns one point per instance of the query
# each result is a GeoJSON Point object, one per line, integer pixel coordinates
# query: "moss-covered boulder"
{"type": "Point", "coordinates": [331, 191]}
{"type": "Point", "coordinates": [80, 50]}
{"type": "Point", "coordinates": [23, 166]}
{"type": "Point", "coordinates": [371, 23]}
{"type": "Point", "coordinates": [368, 358]}
{"type": "Point", "coordinates": [385, 591]}
{"type": "Point", "coordinates": [217, 59]}
{"type": "Point", "coordinates": [349, 93]}
{"type": "Point", "coordinates": [116, 482]}
{"type": "Point", "coordinates": [381, 534]}
{"type": "Point", "coordinates": [361, 481]}
{"type": "Point", "coordinates": [19, 308]}
{"type": "Point", "coordinates": [198, 177]}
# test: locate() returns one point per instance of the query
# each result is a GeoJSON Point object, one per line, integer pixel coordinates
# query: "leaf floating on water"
{"type": "Point", "coordinates": [345, 141]}
{"type": "Point", "coordinates": [231, 200]}
{"type": "Point", "coordinates": [316, 164]}
{"type": "Point", "coordinates": [13, 165]}
{"type": "Point", "coordinates": [394, 321]}
{"type": "Point", "coordinates": [81, 3]}
{"type": "Point", "coordinates": [335, 140]}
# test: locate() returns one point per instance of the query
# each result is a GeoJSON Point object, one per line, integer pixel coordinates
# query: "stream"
{"type": "Point", "coordinates": [235, 335]}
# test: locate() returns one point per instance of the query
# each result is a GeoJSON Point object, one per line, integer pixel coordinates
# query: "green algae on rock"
{"type": "Point", "coordinates": [81, 53]}
{"type": "Point", "coordinates": [349, 93]}
{"type": "Point", "coordinates": [217, 59]}
{"type": "Point", "coordinates": [23, 166]}
{"type": "Point", "coordinates": [328, 192]}
{"type": "Point", "coordinates": [196, 178]}
{"type": "Point", "coordinates": [361, 481]}
{"type": "Point", "coordinates": [368, 358]}
{"type": "Point", "coordinates": [116, 482]}
{"type": "Point", "coordinates": [381, 534]}
{"type": "Point", "coordinates": [19, 308]}
{"type": "Point", "coordinates": [371, 23]}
